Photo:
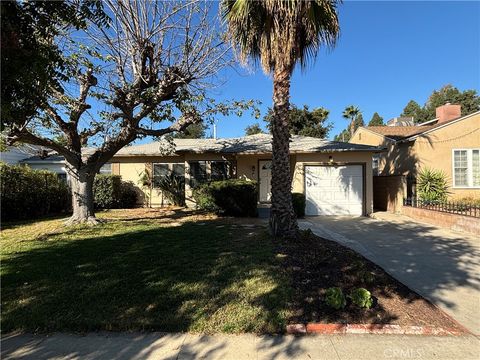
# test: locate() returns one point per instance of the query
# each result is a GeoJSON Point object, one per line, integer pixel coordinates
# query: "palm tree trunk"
{"type": "Point", "coordinates": [282, 217]}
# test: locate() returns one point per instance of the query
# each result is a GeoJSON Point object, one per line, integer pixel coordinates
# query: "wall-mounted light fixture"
{"type": "Point", "coordinates": [253, 171]}
{"type": "Point", "coordinates": [330, 159]}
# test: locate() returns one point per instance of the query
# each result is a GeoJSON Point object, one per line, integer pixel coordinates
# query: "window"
{"type": "Point", "coordinates": [204, 171]}
{"type": "Point", "coordinates": [375, 162]}
{"type": "Point", "coordinates": [106, 169]}
{"type": "Point", "coordinates": [62, 177]}
{"type": "Point", "coordinates": [219, 170]}
{"type": "Point", "coordinates": [466, 168]}
{"type": "Point", "coordinates": [198, 173]}
{"type": "Point", "coordinates": [159, 172]}
{"type": "Point", "coordinates": [476, 167]}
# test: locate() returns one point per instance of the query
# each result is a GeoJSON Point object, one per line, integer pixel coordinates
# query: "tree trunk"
{"type": "Point", "coordinates": [282, 217]}
{"type": "Point", "coordinates": [81, 182]}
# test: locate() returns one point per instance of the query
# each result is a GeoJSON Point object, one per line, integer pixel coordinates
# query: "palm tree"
{"type": "Point", "coordinates": [279, 34]}
{"type": "Point", "coordinates": [351, 113]}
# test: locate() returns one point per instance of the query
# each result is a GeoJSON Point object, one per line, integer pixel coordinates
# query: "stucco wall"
{"type": "Point", "coordinates": [432, 150]}
{"type": "Point", "coordinates": [435, 150]}
{"type": "Point", "coordinates": [298, 184]}
{"type": "Point", "coordinates": [131, 168]}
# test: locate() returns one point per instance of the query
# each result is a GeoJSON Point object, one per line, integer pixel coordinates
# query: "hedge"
{"type": "Point", "coordinates": [110, 192]}
{"type": "Point", "coordinates": [228, 197]}
{"type": "Point", "coordinates": [27, 193]}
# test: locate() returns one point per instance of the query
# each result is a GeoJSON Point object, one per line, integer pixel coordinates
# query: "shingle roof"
{"type": "Point", "coordinates": [399, 132]}
{"type": "Point", "coordinates": [404, 132]}
{"type": "Point", "coordinates": [253, 144]}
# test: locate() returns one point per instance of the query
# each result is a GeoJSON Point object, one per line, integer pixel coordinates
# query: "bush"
{"type": "Point", "coordinates": [334, 298]}
{"type": "Point", "coordinates": [28, 194]}
{"type": "Point", "coordinates": [432, 186]}
{"type": "Point", "coordinates": [129, 195]}
{"type": "Point", "coordinates": [298, 201]}
{"type": "Point", "coordinates": [228, 197]}
{"type": "Point", "coordinates": [362, 298]}
{"type": "Point", "coordinates": [110, 192]}
{"type": "Point", "coordinates": [107, 191]}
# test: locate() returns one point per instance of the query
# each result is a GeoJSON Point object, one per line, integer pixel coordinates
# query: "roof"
{"type": "Point", "coordinates": [410, 132]}
{"type": "Point", "coordinates": [253, 144]}
{"type": "Point", "coordinates": [45, 159]}
{"type": "Point", "coordinates": [398, 132]}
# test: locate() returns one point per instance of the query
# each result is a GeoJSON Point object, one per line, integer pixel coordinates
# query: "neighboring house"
{"type": "Point", "coordinates": [56, 163]}
{"type": "Point", "coordinates": [335, 177]}
{"type": "Point", "coordinates": [450, 143]}
{"type": "Point", "coordinates": [14, 154]}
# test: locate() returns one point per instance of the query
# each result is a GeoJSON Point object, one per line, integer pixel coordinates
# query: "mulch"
{"type": "Point", "coordinates": [314, 264]}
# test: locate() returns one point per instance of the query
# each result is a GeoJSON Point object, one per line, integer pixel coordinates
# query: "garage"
{"type": "Point", "coordinates": [334, 190]}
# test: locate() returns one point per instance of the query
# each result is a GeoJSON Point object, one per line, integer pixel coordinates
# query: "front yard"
{"type": "Point", "coordinates": [183, 271]}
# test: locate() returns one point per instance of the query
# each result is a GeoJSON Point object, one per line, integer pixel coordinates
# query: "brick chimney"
{"type": "Point", "coordinates": [448, 112]}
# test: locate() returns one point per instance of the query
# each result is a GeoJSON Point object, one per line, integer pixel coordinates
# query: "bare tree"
{"type": "Point", "coordinates": [146, 74]}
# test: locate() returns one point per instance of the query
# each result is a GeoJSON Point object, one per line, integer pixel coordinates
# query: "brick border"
{"type": "Point", "coordinates": [318, 328]}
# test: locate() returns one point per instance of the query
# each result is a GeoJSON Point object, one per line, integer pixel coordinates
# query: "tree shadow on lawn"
{"type": "Point", "coordinates": [190, 277]}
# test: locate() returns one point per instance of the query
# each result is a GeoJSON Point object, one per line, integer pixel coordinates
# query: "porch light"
{"type": "Point", "coordinates": [330, 159]}
{"type": "Point", "coordinates": [253, 170]}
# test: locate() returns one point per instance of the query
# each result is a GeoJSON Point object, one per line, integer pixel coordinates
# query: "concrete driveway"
{"type": "Point", "coordinates": [440, 264]}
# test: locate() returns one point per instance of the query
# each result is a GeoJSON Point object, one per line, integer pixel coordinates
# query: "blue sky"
{"type": "Point", "coordinates": [388, 53]}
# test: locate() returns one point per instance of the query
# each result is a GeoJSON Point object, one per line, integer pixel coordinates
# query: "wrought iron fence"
{"type": "Point", "coordinates": [451, 207]}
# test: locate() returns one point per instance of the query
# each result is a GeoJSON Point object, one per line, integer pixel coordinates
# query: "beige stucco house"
{"type": "Point", "coordinates": [335, 177]}
{"type": "Point", "coordinates": [450, 143]}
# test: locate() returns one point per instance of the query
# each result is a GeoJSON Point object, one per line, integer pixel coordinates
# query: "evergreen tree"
{"type": "Point", "coordinates": [305, 122]}
{"type": "Point", "coordinates": [376, 120]}
{"type": "Point", "coordinates": [253, 129]}
{"type": "Point", "coordinates": [193, 131]}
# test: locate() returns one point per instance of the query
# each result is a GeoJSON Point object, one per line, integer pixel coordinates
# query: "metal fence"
{"type": "Point", "coordinates": [451, 207]}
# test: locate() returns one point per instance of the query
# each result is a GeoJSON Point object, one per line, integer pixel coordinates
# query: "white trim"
{"type": "Point", "coordinates": [426, 122]}
{"type": "Point", "coordinates": [440, 127]}
{"type": "Point", "coordinates": [469, 169]}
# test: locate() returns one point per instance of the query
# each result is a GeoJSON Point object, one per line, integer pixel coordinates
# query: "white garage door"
{"type": "Point", "coordinates": [334, 190]}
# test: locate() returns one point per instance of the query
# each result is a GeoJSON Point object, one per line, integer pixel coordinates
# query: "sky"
{"type": "Point", "coordinates": [388, 53]}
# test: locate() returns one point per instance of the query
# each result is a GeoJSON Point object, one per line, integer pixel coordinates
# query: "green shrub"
{"type": "Point", "coordinates": [362, 298]}
{"type": "Point", "coordinates": [173, 187]}
{"type": "Point", "coordinates": [107, 191]}
{"type": "Point", "coordinates": [28, 194]}
{"type": "Point", "coordinates": [432, 185]}
{"type": "Point", "coordinates": [334, 298]}
{"type": "Point", "coordinates": [228, 197]}
{"type": "Point", "coordinates": [129, 195]}
{"type": "Point", "coordinates": [110, 192]}
{"type": "Point", "coordinates": [298, 201]}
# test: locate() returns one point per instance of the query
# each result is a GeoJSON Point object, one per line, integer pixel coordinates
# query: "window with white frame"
{"type": "Point", "coordinates": [162, 170]}
{"type": "Point", "coordinates": [466, 168]}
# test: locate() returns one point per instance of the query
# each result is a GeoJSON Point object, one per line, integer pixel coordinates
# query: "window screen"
{"type": "Point", "coordinates": [198, 173]}
{"type": "Point", "coordinates": [460, 167]}
{"type": "Point", "coordinates": [159, 172]}
{"type": "Point", "coordinates": [219, 170]}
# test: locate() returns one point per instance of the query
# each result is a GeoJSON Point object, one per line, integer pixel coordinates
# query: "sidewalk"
{"type": "Point", "coordinates": [237, 347]}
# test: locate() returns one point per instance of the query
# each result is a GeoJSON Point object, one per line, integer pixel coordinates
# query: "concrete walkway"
{"type": "Point", "coordinates": [186, 346]}
{"type": "Point", "coordinates": [440, 264]}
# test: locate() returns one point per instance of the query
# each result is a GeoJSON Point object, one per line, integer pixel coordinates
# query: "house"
{"type": "Point", "coordinates": [450, 143]}
{"type": "Point", "coordinates": [14, 154]}
{"type": "Point", "coordinates": [335, 177]}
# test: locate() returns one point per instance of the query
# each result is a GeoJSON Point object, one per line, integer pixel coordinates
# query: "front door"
{"type": "Point", "coordinates": [265, 179]}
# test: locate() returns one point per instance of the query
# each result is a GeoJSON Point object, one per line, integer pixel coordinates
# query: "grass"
{"type": "Point", "coordinates": [142, 271]}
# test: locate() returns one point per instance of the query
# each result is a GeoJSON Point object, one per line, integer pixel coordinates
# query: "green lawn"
{"type": "Point", "coordinates": [142, 271]}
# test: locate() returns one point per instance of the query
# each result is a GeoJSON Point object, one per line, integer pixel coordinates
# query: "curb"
{"type": "Point", "coordinates": [317, 328]}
